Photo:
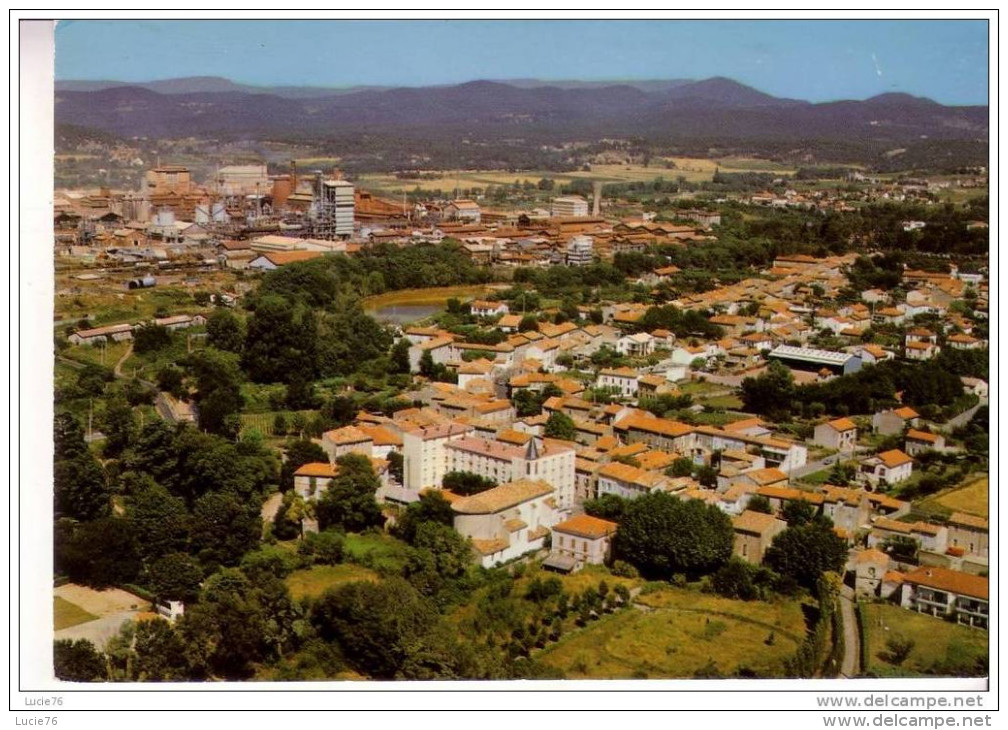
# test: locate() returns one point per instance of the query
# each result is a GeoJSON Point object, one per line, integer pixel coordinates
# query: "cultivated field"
{"type": "Point", "coordinates": [971, 497]}
{"type": "Point", "coordinates": [434, 295]}
{"type": "Point", "coordinates": [671, 168]}
{"type": "Point", "coordinates": [940, 648]}
{"type": "Point", "coordinates": [679, 633]}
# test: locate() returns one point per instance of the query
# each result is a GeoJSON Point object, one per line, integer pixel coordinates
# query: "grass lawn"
{"type": "Point", "coordinates": [375, 550]}
{"type": "Point", "coordinates": [729, 402]}
{"type": "Point", "coordinates": [817, 477]}
{"type": "Point", "coordinates": [96, 354]}
{"type": "Point", "coordinates": [971, 497]}
{"type": "Point", "coordinates": [66, 614]}
{"type": "Point", "coordinates": [316, 580]}
{"type": "Point", "coordinates": [680, 633]}
{"type": "Point", "coordinates": [940, 648]}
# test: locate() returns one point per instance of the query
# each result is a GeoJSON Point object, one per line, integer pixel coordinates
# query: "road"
{"type": "Point", "coordinates": [963, 418]}
{"type": "Point", "coordinates": [119, 363]}
{"type": "Point", "coordinates": [823, 463]}
{"type": "Point", "coordinates": [851, 665]}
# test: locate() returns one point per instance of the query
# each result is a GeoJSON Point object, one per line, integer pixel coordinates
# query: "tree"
{"type": "Point", "coordinates": [681, 467]}
{"type": "Point", "coordinates": [607, 507]}
{"type": "Point", "coordinates": [662, 535]}
{"type": "Point", "coordinates": [102, 553]}
{"type": "Point", "coordinates": [175, 577]}
{"type": "Point", "coordinates": [466, 483]}
{"type": "Point", "coordinates": [77, 661]}
{"type": "Point", "coordinates": [301, 393]}
{"type": "Point", "coordinates": [160, 652]}
{"type": "Point", "coordinates": [805, 552]}
{"type": "Point", "coordinates": [169, 379]}
{"type": "Point", "coordinates": [224, 331]}
{"type": "Point", "coordinates": [440, 555]}
{"type": "Point", "coordinates": [399, 357]}
{"type": "Point", "coordinates": [560, 426]}
{"type": "Point", "coordinates": [431, 507]}
{"type": "Point", "coordinates": [387, 631]}
{"type": "Point", "coordinates": [280, 340]}
{"type": "Point", "coordinates": [80, 489]}
{"type": "Point", "coordinates": [769, 393]}
{"type": "Point", "coordinates": [92, 378]}
{"type": "Point", "coordinates": [798, 512]}
{"type": "Point", "coordinates": [159, 516]}
{"type": "Point", "coordinates": [150, 338]}
{"type": "Point", "coordinates": [224, 529]}
{"type": "Point", "coordinates": [287, 523]}
{"type": "Point", "coordinates": [528, 323]}
{"type": "Point", "coordinates": [395, 462]}
{"type": "Point", "coordinates": [218, 389]}
{"type": "Point", "coordinates": [734, 579]}
{"type": "Point", "coordinates": [759, 503]}
{"type": "Point", "coordinates": [427, 366]}
{"type": "Point", "coordinates": [349, 503]}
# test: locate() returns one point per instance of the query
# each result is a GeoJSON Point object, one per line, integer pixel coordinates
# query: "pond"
{"type": "Point", "coordinates": [405, 313]}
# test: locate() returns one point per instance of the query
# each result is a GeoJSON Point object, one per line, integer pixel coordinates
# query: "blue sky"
{"type": "Point", "coordinates": [945, 60]}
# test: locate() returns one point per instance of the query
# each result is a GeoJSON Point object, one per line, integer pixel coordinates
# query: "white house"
{"type": "Point", "coordinates": [640, 344]}
{"type": "Point", "coordinates": [943, 592]}
{"type": "Point", "coordinates": [310, 480]}
{"type": "Point", "coordinates": [507, 521]}
{"type": "Point", "coordinates": [623, 379]}
{"type": "Point", "coordinates": [889, 467]}
{"type": "Point", "coordinates": [483, 308]}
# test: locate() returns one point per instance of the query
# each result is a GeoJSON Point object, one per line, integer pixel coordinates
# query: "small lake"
{"type": "Point", "coordinates": [405, 313]}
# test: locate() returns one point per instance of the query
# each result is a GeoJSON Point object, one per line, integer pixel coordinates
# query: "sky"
{"type": "Point", "coordinates": [816, 60]}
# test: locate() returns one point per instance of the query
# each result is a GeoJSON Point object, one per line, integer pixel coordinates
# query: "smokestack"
{"type": "Point", "coordinates": [596, 198]}
{"type": "Point", "coordinates": [294, 176]}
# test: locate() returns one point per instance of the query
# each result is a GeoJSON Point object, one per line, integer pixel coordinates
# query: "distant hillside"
{"type": "Point", "coordinates": [715, 108]}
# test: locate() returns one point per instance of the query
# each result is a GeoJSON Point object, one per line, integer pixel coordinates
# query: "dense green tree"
{"type": "Point", "coordinates": [798, 512]}
{"type": "Point", "coordinates": [324, 548]}
{"type": "Point", "coordinates": [160, 653]}
{"type": "Point", "coordinates": [224, 331]}
{"type": "Point", "coordinates": [399, 357]}
{"type": "Point", "coordinates": [80, 487]}
{"type": "Point", "coordinates": [151, 338]}
{"type": "Point", "coordinates": [528, 323]}
{"type": "Point", "coordinates": [466, 483]}
{"type": "Point", "coordinates": [92, 379]}
{"type": "Point", "coordinates": [769, 393]}
{"type": "Point", "coordinates": [388, 631]}
{"type": "Point", "coordinates": [349, 503]}
{"type": "Point", "coordinates": [77, 661]}
{"type": "Point", "coordinates": [224, 529]}
{"type": "Point", "coordinates": [560, 426]}
{"type": "Point", "coordinates": [431, 507]}
{"type": "Point", "coordinates": [218, 389]}
{"type": "Point", "coordinates": [280, 339]}
{"type": "Point", "coordinates": [759, 503]}
{"type": "Point", "coordinates": [734, 579]}
{"type": "Point", "coordinates": [349, 339]}
{"type": "Point", "coordinates": [607, 507]}
{"type": "Point", "coordinates": [682, 467]}
{"type": "Point", "coordinates": [102, 553]}
{"type": "Point", "coordinates": [175, 577]}
{"type": "Point", "coordinates": [662, 535]}
{"type": "Point", "coordinates": [162, 519]}
{"type": "Point", "coordinates": [169, 379]}
{"type": "Point", "coordinates": [805, 552]}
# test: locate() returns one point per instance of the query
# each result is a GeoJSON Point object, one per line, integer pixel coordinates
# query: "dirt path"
{"type": "Point", "coordinates": [851, 666]}
{"type": "Point", "coordinates": [119, 363]}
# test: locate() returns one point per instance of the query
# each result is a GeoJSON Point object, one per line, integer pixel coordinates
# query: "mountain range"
{"type": "Point", "coordinates": [715, 108]}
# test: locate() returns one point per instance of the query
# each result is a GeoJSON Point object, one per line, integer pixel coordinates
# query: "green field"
{"type": "Point", "coordinates": [971, 497]}
{"type": "Point", "coordinates": [728, 402]}
{"type": "Point", "coordinates": [940, 648]}
{"type": "Point", "coordinates": [66, 614]}
{"type": "Point", "coordinates": [434, 295]}
{"type": "Point", "coordinates": [678, 633]}
{"type": "Point", "coordinates": [669, 168]}
{"type": "Point", "coordinates": [375, 550]}
{"type": "Point", "coordinates": [316, 580]}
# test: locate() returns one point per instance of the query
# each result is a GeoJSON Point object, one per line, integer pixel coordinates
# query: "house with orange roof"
{"type": "Point", "coordinates": [658, 433]}
{"type": "Point", "coordinates": [889, 467]}
{"type": "Point", "coordinates": [484, 308]}
{"type": "Point", "coordinates": [754, 533]}
{"type": "Point", "coordinates": [273, 260]}
{"type": "Point", "coordinates": [964, 342]}
{"type": "Point", "coordinates": [839, 434]}
{"type": "Point", "coordinates": [872, 354]}
{"type": "Point", "coordinates": [947, 593]}
{"type": "Point", "coordinates": [579, 541]}
{"type": "Point", "coordinates": [918, 441]}
{"type": "Point", "coordinates": [928, 536]}
{"type": "Point", "coordinates": [346, 440]}
{"type": "Point", "coordinates": [311, 479]}
{"type": "Point", "coordinates": [895, 420]}
{"type": "Point", "coordinates": [969, 532]}
{"type": "Point", "coordinates": [630, 482]}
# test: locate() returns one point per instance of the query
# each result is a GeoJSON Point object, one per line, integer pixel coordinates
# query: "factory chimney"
{"type": "Point", "coordinates": [596, 198]}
